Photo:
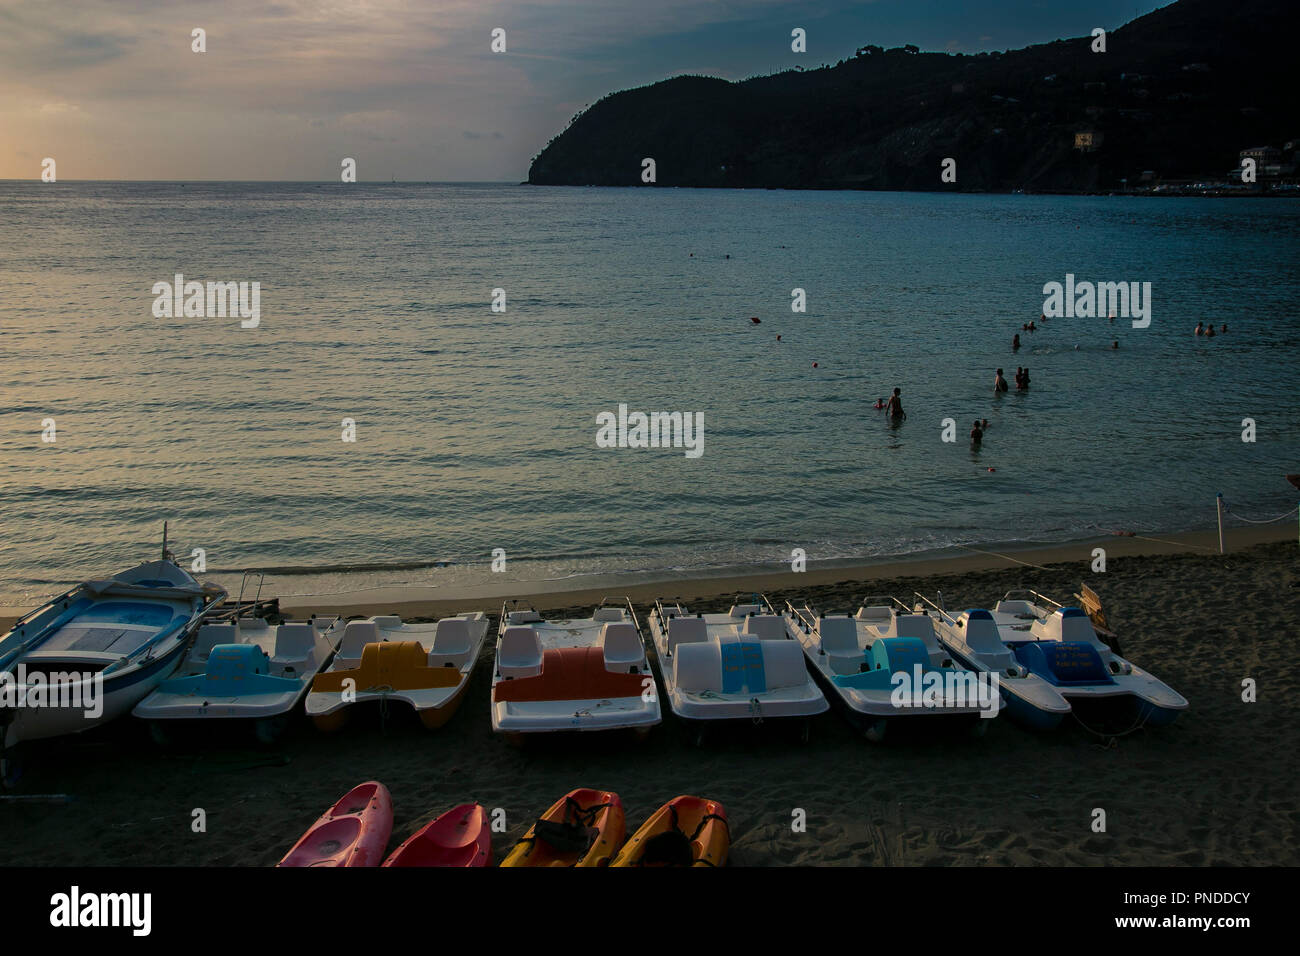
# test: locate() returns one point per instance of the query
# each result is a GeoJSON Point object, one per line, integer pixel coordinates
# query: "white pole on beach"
{"type": "Point", "coordinates": [1218, 501]}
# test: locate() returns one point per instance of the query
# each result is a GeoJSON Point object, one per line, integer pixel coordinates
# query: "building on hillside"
{"type": "Point", "coordinates": [1087, 140]}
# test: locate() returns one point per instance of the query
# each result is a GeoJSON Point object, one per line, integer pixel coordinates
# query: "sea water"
{"type": "Point", "coordinates": [476, 431]}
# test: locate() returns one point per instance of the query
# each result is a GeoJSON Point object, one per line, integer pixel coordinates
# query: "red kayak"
{"type": "Point", "coordinates": [353, 832]}
{"type": "Point", "coordinates": [460, 837]}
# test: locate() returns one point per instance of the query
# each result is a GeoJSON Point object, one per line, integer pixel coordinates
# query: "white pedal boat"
{"type": "Point", "coordinates": [425, 666]}
{"type": "Point", "coordinates": [879, 661]}
{"type": "Point", "coordinates": [584, 674]}
{"type": "Point", "coordinates": [1051, 661]}
{"type": "Point", "coordinates": [94, 652]}
{"type": "Point", "coordinates": [734, 666]}
{"type": "Point", "coordinates": [244, 669]}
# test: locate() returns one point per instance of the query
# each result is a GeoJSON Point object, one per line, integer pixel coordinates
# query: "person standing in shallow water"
{"type": "Point", "coordinates": [976, 434]}
{"type": "Point", "coordinates": [894, 409]}
{"type": "Point", "coordinates": [999, 383]}
{"type": "Point", "coordinates": [1015, 343]}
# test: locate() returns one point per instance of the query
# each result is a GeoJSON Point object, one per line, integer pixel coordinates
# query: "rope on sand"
{"type": "Point", "coordinates": [1006, 557]}
{"type": "Point", "coordinates": [1259, 520]}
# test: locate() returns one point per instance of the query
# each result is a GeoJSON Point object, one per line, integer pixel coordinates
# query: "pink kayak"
{"type": "Point", "coordinates": [353, 832]}
{"type": "Point", "coordinates": [460, 837]}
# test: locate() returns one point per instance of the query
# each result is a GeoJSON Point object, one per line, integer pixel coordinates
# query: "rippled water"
{"type": "Point", "coordinates": [477, 430]}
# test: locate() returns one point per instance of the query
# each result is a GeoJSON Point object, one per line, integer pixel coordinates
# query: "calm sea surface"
{"type": "Point", "coordinates": [477, 430]}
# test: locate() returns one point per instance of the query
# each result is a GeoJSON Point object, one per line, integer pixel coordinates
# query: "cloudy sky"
{"type": "Point", "coordinates": [410, 88]}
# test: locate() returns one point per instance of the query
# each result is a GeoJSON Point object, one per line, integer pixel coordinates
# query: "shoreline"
{"type": "Point", "coordinates": [408, 602]}
{"type": "Point", "coordinates": [644, 588]}
{"type": "Point", "coordinates": [418, 601]}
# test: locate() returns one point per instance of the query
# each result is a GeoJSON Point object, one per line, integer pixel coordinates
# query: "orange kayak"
{"type": "Point", "coordinates": [460, 837]}
{"type": "Point", "coordinates": [685, 831]}
{"type": "Point", "coordinates": [583, 828]}
{"type": "Point", "coordinates": [353, 832]}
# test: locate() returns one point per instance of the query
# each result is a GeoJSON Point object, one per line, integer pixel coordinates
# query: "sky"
{"type": "Point", "coordinates": [410, 89]}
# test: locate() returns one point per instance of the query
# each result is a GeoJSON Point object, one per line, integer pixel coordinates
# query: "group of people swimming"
{"type": "Point", "coordinates": [1208, 330]}
{"type": "Point", "coordinates": [1022, 381]}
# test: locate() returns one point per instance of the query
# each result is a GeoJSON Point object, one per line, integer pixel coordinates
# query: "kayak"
{"type": "Point", "coordinates": [460, 837]}
{"type": "Point", "coordinates": [583, 828]}
{"type": "Point", "coordinates": [353, 832]}
{"type": "Point", "coordinates": [685, 831]}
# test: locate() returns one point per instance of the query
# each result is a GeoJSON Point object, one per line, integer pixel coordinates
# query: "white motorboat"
{"type": "Point", "coordinates": [580, 674]}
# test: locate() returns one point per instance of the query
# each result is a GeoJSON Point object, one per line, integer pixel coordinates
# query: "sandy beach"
{"type": "Point", "coordinates": [1213, 789]}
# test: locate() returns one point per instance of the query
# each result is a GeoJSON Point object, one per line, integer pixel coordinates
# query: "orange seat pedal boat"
{"type": "Point", "coordinates": [581, 674]}
{"type": "Point", "coordinates": [427, 666]}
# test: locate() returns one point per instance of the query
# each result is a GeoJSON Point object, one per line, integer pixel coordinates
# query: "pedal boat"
{"type": "Point", "coordinates": [863, 658]}
{"type": "Point", "coordinates": [426, 666]}
{"type": "Point", "coordinates": [739, 665]}
{"type": "Point", "coordinates": [585, 674]}
{"type": "Point", "coordinates": [97, 650]}
{"type": "Point", "coordinates": [584, 828]}
{"type": "Point", "coordinates": [245, 669]}
{"type": "Point", "coordinates": [1052, 663]}
{"type": "Point", "coordinates": [685, 831]}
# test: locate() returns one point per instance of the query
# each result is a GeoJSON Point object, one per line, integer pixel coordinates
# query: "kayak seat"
{"type": "Point", "coordinates": [669, 848]}
{"type": "Point", "coordinates": [520, 654]}
{"type": "Point", "coordinates": [686, 630]}
{"type": "Point", "coordinates": [621, 645]}
{"type": "Point", "coordinates": [608, 615]}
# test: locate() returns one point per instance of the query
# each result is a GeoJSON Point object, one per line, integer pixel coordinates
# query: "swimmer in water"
{"type": "Point", "coordinates": [1200, 328]}
{"type": "Point", "coordinates": [976, 433]}
{"type": "Point", "coordinates": [1015, 343]}
{"type": "Point", "coordinates": [880, 403]}
{"type": "Point", "coordinates": [999, 383]}
{"type": "Point", "coordinates": [894, 408]}
{"type": "Point", "coordinates": [985, 424]}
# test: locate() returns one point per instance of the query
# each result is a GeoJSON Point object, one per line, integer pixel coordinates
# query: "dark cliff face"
{"type": "Point", "coordinates": [1178, 92]}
